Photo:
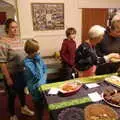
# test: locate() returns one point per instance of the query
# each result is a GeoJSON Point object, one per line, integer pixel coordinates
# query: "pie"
{"type": "Point", "coordinates": [100, 112]}
{"type": "Point", "coordinates": [69, 87]}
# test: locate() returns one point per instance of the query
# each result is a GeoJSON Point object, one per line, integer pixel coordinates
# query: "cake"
{"type": "Point", "coordinates": [112, 96]}
{"type": "Point", "coordinates": [99, 112]}
{"type": "Point", "coordinates": [116, 98]}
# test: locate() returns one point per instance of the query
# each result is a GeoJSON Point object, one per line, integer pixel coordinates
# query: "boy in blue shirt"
{"type": "Point", "coordinates": [35, 75]}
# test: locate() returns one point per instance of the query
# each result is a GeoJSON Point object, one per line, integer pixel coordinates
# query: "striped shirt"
{"type": "Point", "coordinates": [12, 53]}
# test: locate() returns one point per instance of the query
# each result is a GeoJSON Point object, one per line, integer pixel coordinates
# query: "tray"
{"type": "Point", "coordinates": [114, 80]}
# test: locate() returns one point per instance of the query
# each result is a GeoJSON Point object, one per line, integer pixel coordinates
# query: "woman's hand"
{"type": "Point", "coordinates": [6, 73]}
{"type": "Point", "coordinates": [113, 56]}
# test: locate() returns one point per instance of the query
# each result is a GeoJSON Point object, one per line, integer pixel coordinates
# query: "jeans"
{"type": "Point", "coordinates": [15, 90]}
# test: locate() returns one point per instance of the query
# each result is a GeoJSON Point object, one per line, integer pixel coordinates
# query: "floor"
{"type": "Point", "coordinates": [3, 107]}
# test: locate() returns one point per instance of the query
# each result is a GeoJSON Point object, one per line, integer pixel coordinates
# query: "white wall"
{"type": "Point", "coordinates": [10, 11]}
{"type": "Point", "coordinates": [50, 41]}
{"type": "Point", "coordinates": [12, 2]}
{"type": "Point", "coordinates": [99, 3]}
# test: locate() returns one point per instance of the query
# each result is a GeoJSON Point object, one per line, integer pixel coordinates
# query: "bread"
{"type": "Point", "coordinates": [115, 59]}
{"type": "Point", "coordinates": [112, 96]}
{"type": "Point", "coordinates": [115, 98]}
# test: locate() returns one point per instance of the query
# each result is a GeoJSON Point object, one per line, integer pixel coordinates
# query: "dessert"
{"type": "Point", "coordinates": [100, 112]}
{"type": "Point", "coordinates": [112, 96]}
{"type": "Point", "coordinates": [115, 80]}
{"type": "Point", "coordinates": [69, 87]}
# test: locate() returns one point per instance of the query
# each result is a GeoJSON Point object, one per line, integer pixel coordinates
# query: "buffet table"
{"type": "Point", "coordinates": [60, 106]}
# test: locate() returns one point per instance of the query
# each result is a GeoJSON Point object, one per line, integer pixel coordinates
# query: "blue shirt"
{"type": "Point", "coordinates": [35, 75]}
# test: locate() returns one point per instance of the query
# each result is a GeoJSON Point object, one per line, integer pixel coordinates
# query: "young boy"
{"type": "Point", "coordinates": [35, 75]}
{"type": "Point", "coordinates": [67, 53]}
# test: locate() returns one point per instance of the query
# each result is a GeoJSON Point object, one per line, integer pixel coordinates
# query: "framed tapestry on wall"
{"type": "Point", "coordinates": [47, 16]}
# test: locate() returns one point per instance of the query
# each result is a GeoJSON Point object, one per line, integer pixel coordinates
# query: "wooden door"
{"type": "Point", "coordinates": [2, 18]}
{"type": "Point", "coordinates": [93, 16]}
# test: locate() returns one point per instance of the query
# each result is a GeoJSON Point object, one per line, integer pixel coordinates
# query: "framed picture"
{"type": "Point", "coordinates": [47, 16]}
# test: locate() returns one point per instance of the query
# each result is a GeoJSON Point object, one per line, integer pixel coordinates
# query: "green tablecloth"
{"type": "Point", "coordinates": [70, 102]}
{"type": "Point", "coordinates": [82, 80]}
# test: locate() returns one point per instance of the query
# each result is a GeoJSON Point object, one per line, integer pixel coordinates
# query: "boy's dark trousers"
{"type": "Point", "coordinates": [66, 72]}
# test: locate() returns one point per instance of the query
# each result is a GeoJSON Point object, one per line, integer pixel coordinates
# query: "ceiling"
{"type": "Point", "coordinates": [5, 4]}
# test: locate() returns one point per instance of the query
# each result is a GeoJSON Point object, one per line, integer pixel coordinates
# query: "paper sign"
{"type": "Point", "coordinates": [53, 91]}
{"type": "Point", "coordinates": [92, 85]}
{"type": "Point", "coordinates": [95, 96]}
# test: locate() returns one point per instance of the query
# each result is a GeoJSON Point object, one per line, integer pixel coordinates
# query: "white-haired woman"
{"type": "Point", "coordinates": [86, 57]}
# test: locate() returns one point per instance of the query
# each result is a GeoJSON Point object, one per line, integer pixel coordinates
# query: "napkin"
{"type": "Point", "coordinates": [95, 96]}
{"type": "Point", "coordinates": [53, 91]}
{"type": "Point", "coordinates": [92, 85]}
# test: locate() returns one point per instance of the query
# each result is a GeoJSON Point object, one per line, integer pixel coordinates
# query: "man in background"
{"type": "Point", "coordinates": [110, 44]}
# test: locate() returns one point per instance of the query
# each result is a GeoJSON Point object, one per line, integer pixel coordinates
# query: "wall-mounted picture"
{"type": "Point", "coordinates": [47, 16]}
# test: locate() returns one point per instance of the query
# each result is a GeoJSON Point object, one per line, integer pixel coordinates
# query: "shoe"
{"type": "Point", "coordinates": [26, 111]}
{"type": "Point", "coordinates": [26, 91]}
{"type": "Point", "coordinates": [14, 117]}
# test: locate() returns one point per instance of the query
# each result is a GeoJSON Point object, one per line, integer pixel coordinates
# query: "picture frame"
{"type": "Point", "coordinates": [47, 16]}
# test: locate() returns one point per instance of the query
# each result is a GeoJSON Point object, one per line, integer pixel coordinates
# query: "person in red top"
{"type": "Point", "coordinates": [67, 54]}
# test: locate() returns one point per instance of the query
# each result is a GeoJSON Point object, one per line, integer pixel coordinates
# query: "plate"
{"type": "Point", "coordinates": [111, 104]}
{"type": "Point", "coordinates": [72, 113]}
{"type": "Point", "coordinates": [70, 88]}
{"type": "Point", "coordinates": [114, 80]}
{"type": "Point", "coordinates": [108, 101]}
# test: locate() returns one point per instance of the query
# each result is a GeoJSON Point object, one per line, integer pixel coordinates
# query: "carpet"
{"type": "Point", "coordinates": [3, 108]}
